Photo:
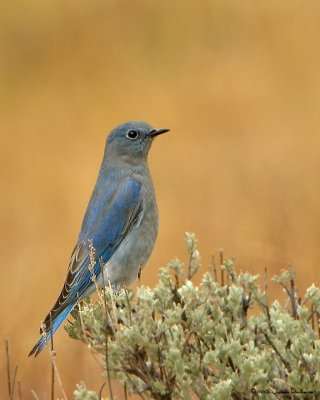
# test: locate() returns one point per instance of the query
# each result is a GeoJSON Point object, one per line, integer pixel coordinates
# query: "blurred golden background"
{"type": "Point", "coordinates": [238, 84]}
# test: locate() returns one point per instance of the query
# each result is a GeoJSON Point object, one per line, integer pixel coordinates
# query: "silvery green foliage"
{"type": "Point", "coordinates": [83, 394]}
{"type": "Point", "coordinates": [182, 341]}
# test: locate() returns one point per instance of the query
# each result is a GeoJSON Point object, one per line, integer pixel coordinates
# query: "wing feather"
{"type": "Point", "coordinates": [105, 225]}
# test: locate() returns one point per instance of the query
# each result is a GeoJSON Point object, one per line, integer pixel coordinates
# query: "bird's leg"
{"type": "Point", "coordinates": [139, 276]}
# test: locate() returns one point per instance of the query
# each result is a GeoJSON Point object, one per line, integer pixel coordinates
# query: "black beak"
{"type": "Point", "coordinates": [156, 132]}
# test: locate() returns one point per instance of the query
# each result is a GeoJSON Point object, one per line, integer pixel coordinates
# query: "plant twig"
{"type": "Point", "coordinates": [186, 344]}
{"type": "Point", "coordinates": [53, 361]}
{"type": "Point", "coordinates": [8, 366]}
{"type": "Point", "coordinates": [113, 305]}
{"type": "Point", "coordinates": [215, 277]}
{"type": "Point", "coordinates": [129, 306]}
{"type": "Point", "coordinates": [101, 389]}
{"type": "Point", "coordinates": [312, 317]}
{"type": "Point", "coordinates": [222, 266]}
{"type": "Point", "coordinates": [266, 305]}
{"type": "Point", "coordinates": [284, 361]}
{"type": "Point", "coordinates": [108, 370]}
{"type": "Point", "coordinates": [293, 295]}
{"type": "Point", "coordinates": [81, 323]}
{"type": "Point", "coordinates": [318, 322]}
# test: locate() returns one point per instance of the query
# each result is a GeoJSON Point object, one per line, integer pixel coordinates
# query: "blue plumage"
{"type": "Point", "coordinates": [121, 224]}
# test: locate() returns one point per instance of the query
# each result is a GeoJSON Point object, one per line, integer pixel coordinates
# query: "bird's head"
{"type": "Point", "coordinates": [132, 140]}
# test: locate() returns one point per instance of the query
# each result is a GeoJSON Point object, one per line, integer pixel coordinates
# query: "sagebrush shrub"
{"type": "Point", "coordinates": [181, 341]}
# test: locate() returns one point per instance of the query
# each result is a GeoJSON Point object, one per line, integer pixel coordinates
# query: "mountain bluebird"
{"type": "Point", "coordinates": [120, 224]}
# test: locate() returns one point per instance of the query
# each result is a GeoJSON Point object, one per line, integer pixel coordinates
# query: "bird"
{"type": "Point", "coordinates": [119, 228]}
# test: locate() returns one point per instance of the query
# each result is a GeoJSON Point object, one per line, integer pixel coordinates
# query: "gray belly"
{"type": "Point", "coordinates": [133, 252]}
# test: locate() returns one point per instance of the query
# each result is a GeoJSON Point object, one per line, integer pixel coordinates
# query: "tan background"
{"type": "Point", "coordinates": [238, 83]}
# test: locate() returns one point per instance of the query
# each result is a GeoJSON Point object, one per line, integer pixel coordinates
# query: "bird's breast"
{"type": "Point", "coordinates": [136, 248]}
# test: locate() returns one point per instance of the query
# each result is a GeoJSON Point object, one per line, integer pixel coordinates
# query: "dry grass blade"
{"type": "Point", "coordinates": [14, 381]}
{"type": "Point", "coordinates": [11, 384]}
{"type": "Point", "coordinates": [125, 392]}
{"type": "Point", "coordinates": [52, 367]}
{"type": "Point", "coordinates": [54, 364]}
{"type": "Point", "coordinates": [8, 365]}
{"type": "Point", "coordinates": [107, 317]}
{"type": "Point", "coordinates": [34, 395]}
{"type": "Point", "coordinates": [19, 390]}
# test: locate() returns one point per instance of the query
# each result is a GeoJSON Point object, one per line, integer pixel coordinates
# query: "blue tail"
{"type": "Point", "coordinates": [45, 337]}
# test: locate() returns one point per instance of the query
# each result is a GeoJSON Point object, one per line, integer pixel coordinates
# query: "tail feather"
{"type": "Point", "coordinates": [46, 336]}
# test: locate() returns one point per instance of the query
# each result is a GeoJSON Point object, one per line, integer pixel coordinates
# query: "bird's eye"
{"type": "Point", "coordinates": [132, 135]}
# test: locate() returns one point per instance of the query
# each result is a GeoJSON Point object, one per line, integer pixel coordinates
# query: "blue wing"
{"type": "Point", "coordinates": [111, 213]}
